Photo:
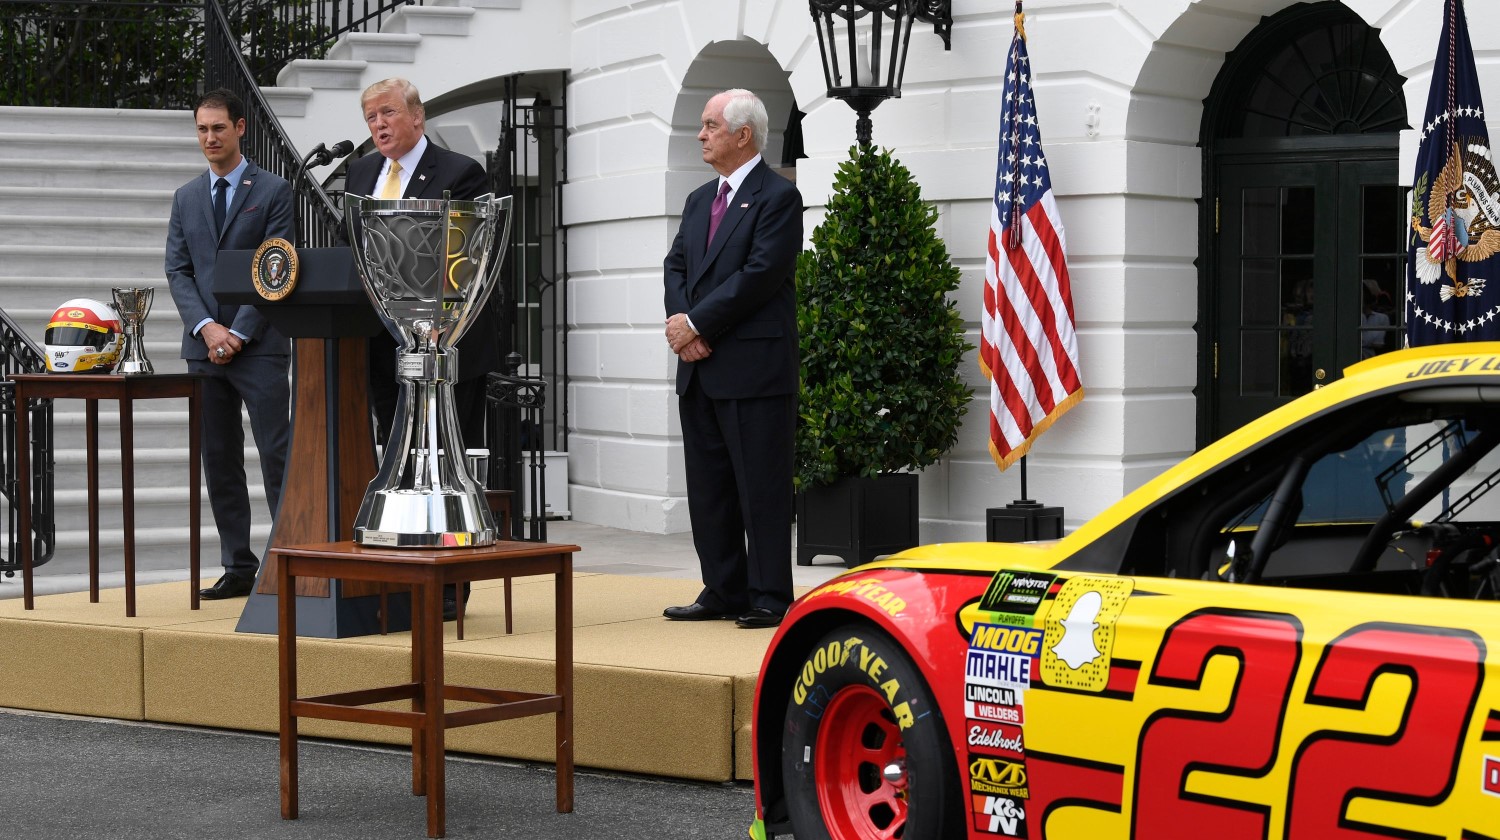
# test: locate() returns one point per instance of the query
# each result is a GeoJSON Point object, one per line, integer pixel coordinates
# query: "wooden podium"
{"type": "Point", "coordinates": [329, 318]}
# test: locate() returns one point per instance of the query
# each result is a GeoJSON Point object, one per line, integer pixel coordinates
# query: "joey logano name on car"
{"type": "Point", "coordinates": [1002, 815]}
{"type": "Point", "coordinates": [1434, 368]}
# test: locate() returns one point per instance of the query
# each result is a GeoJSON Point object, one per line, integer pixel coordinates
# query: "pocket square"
{"type": "Point", "coordinates": [249, 210]}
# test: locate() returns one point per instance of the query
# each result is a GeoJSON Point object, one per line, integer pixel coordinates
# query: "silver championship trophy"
{"type": "Point", "coordinates": [428, 266]}
{"type": "Point", "coordinates": [132, 306]}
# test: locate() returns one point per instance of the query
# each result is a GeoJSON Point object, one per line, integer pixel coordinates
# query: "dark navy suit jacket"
{"type": "Point", "coordinates": [438, 170]}
{"type": "Point", "coordinates": [740, 291]}
{"type": "Point", "coordinates": [262, 209]}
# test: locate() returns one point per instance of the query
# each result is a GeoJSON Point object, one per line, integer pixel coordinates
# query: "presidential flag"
{"type": "Point", "coordinates": [1455, 205]}
{"type": "Point", "coordinates": [1028, 348]}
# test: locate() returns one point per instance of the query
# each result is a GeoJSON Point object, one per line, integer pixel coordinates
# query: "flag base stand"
{"type": "Point", "coordinates": [1023, 520]}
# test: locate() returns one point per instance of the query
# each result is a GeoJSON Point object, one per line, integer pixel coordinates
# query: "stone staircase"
{"type": "Point", "coordinates": [85, 195]}
{"type": "Point", "coordinates": [442, 46]}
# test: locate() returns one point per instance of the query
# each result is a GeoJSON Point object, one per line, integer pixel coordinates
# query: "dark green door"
{"type": "Point", "coordinates": [1309, 278]}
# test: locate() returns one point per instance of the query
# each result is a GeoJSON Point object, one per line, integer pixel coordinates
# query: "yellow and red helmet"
{"type": "Point", "coordinates": [83, 336]}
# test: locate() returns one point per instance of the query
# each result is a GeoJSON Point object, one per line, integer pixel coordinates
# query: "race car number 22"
{"type": "Point", "coordinates": [1329, 768]}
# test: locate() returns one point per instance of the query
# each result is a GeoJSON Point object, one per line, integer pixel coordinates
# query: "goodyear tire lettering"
{"type": "Point", "coordinates": [864, 688]}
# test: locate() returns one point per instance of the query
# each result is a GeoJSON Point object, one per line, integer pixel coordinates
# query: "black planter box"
{"type": "Point", "coordinates": [857, 519]}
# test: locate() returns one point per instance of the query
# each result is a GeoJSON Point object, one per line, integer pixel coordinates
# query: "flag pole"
{"type": "Point", "coordinates": [1028, 303]}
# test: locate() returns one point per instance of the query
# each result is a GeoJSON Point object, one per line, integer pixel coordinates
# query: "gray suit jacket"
{"type": "Point", "coordinates": [262, 209]}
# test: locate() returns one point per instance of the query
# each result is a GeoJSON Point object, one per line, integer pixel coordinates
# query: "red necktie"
{"type": "Point", "coordinates": [716, 211]}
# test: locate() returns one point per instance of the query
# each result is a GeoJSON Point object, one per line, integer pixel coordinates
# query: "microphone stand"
{"type": "Point", "coordinates": [323, 157]}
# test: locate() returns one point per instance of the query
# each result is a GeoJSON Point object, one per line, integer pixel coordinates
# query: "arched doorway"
{"type": "Point", "coordinates": [1303, 219]}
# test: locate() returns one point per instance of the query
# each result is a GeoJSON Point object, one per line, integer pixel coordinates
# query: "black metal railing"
{"type": "Point", "coordinates": [516, 404]}
{"type": "Point", "coordinates": [140, 54]}
{"type": "Point", "coordinates": [319, 222]}
{"type": "Point", "coordinates": [19, 354]}
{"type": "Point", "coordinates": [276, 32]}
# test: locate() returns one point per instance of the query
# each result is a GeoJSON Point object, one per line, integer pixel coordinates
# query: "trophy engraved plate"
{"type": "Point", "coordinates": [132, 305]}
{"type": "Point", "coordinates": [273, 271]}
{"type": "Point", "coordinates": [428, 265]}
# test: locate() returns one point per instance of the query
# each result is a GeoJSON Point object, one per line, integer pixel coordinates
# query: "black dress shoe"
{"type": "Point", "coordinates": [757, 618]}
{"type": "Point", "coordinates": [228, 586]}
{"type": "Point", "coordinates": [695, 612]}
{"type": "Point", "coordinates": [450, 609]}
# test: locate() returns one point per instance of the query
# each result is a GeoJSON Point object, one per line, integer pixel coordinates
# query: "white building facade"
{"type": "Point", "coordinates": [1166, 123]}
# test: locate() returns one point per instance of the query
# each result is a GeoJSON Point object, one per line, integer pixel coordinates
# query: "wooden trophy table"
{"type": "Point", "coordinates": [426, 571]}
{"type": "Point", "coordinates": [126, 389]}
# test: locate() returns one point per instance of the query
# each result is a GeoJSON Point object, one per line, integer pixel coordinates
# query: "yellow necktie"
{"type": "Point", "coordinates": [392, 188]}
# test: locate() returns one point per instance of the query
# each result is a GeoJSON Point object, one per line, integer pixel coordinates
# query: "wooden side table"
{"type": "Point", "coordinates": [426, 571]}
{"type": "Point", "coordinates": [126, 389]}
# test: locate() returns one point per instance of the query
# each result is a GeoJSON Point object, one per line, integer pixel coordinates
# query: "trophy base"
{"type": "Point", "coordinates": [408, 519]}
{"type": "Point", "coordinates": [134, 367]}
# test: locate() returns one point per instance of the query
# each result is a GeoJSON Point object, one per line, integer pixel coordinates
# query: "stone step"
{"type": "Point", "coordinates": [376, 46]}
{"type": "Point", "coordinates": [121, 230]}
{"type": "Point", "coordinates": [156, 542]}
{"type": "Point", "coordinates": [322, 73]}
{"type": "Point", "coordinates": [121, 122]}
{"type": "Point", "coordinates": [430, 20]}
{"type": "Point", "coordinates": [180, 147]}
{"type": "Point", "coordinates": [97, 173]}
{"type": "Point", "coordinates": [154, 509]}
{"type": "Point", "coordinates": [136, 263]}
{"type": "Point", "coordinates": [78, 203]}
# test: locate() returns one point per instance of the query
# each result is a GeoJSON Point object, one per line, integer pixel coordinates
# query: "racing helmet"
{"type": "Point", "coordinates": [83, 336]}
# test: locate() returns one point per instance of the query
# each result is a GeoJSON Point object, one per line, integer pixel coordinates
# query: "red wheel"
{"type": "Point", "coordinates": [866, 757]}
{"type": "Point", "coordinates": [860, 767]}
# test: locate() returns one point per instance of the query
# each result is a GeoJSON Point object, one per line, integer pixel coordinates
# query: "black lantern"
{"type": "Point", "coordinates": [874, 65]}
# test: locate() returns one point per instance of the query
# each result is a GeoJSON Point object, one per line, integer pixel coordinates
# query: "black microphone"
{"type": "Point", "coordinates": [321, 155]}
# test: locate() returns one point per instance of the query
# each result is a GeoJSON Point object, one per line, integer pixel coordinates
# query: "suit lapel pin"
{"type": "Point", "coordinates": [745, 205]}
{"type": "Point", "coordinates": [421, 177]}
{"type": "Point", "coordinates": [245, 183]}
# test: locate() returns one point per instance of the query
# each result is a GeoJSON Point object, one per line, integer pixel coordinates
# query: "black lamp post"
{"type": "Point", "coordinates": [875, 67]}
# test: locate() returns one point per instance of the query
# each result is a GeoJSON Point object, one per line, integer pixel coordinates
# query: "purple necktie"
{"type": "Point", "coordinates": [716, 212]}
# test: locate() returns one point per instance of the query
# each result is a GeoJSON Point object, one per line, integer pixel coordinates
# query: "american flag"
{"type": "Point", "coordinates": [1028, 348]}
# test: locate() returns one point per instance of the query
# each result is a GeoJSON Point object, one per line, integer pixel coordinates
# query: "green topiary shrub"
{"type": "Point", "coordinates": [881, 341]}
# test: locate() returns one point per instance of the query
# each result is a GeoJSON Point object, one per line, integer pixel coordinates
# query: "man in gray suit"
{"type": "Point", "coordinates": [244, 361]}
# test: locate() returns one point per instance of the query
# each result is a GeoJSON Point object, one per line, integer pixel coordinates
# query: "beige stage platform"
{"type": "Point", "coordinates": [652, 696]}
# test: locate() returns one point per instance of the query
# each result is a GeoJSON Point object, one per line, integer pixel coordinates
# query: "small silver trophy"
{"type": "Point", "coordinates": [133, 305]}
{"type": "Point", "coordinates": [428, 266]}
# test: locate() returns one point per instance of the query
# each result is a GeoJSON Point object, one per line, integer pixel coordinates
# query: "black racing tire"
{"type": "Point", "coordinates": [843, 729]}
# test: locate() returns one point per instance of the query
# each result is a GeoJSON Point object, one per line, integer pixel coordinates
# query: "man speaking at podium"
{"type": "Point", "coordinates": [243, 360]}
{"type": "Point", "coordinates": [411, 166]}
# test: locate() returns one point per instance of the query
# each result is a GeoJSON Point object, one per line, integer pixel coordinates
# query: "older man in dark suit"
{"type": "Point", "coordinates": [244, 360]}
{"type": "Point", "coordinates": [731, 303]}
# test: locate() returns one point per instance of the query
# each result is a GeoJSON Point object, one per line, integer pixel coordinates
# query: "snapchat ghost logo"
{"type": "Point", "coordinates": [1081, 631]}
{"type": "Point", "coordinates": [1077, 645]}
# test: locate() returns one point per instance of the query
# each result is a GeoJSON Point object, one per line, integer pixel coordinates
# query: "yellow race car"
{"type": "Point", "coordinates": [1284, 637]}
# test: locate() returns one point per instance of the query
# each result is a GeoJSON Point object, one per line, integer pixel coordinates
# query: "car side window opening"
{"type": "Point", "coordinates": [1392, 494]}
